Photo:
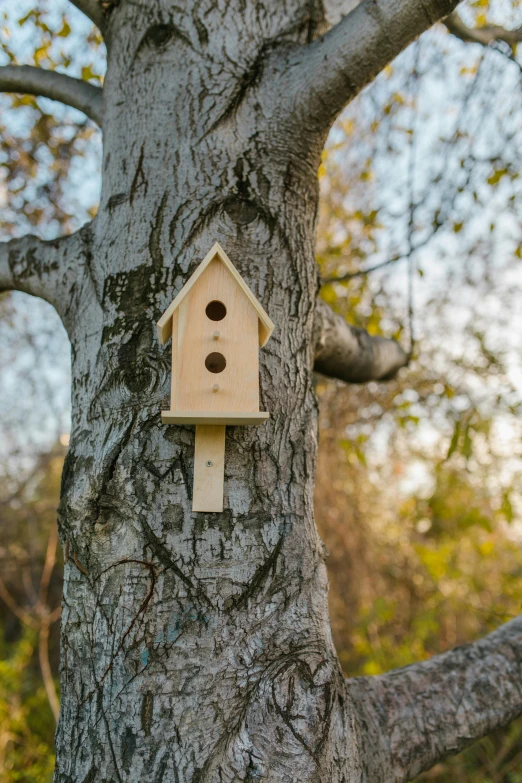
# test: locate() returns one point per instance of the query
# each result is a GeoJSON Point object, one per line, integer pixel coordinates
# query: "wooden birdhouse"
{"type": "Point", "coordinates": [217, 327]}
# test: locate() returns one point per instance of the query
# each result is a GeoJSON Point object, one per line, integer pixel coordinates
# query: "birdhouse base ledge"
{"type": "Point", "coordinates": [204, 417]}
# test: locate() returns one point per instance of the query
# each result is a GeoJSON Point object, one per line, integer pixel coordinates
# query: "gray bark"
{"type": "Point", "coordinates": [441, 706]}
{"type": "Point", "coordinates": [53, 270]}
{"type": "Point", "coordinates": [197, 647]}
{"type": "Point", "coordinates": [350, 354]}
{"type": "Point", "coordinates": [336, 67]}
{"type": "Point", "coordinates": [57, 86]}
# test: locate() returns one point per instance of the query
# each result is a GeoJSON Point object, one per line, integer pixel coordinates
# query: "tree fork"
{"type": "Point", "coordinates": [197, 647]}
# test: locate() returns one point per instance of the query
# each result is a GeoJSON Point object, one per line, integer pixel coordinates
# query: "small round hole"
{"type": "Point", "coordinates": [215, 362]}
{"type": "Point", "coordinates": [216, 311]}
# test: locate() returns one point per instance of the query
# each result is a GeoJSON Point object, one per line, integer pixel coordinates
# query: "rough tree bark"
{"type": "Point", "coordinates": [197, 647]}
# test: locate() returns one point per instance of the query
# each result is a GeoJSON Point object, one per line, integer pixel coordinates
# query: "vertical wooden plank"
{"type": "Point", "coordinates": [238, 342]}
{"type": "Point", "coordinates": [174, 370]}
{"type": "Point", "coordinates": [209, 468]}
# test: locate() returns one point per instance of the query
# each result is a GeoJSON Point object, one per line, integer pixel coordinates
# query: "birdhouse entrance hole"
{"type": "Point", "coordinates": [216, 311]}
{"type": "Point", "coordinates": [215, 362]}
{"type": "Point", "coordinates": [199, 346]}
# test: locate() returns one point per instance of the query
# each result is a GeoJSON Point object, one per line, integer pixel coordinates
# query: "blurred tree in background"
{"type": "Point", "coordinates": [30, 559]}
{"type": "Point", "coordinates": [30, 589]}
{"type": "Point", "coordinates": [418, 486]}
{"type": "Point", "coordinates": [419, 479]}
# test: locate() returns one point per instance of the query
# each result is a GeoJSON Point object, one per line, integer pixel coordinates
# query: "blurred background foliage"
{"type": "Point", "coordinates": [418, 495]}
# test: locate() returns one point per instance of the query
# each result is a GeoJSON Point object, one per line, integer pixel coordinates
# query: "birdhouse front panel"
{"type": "Point", "coordinates": [215, 346]}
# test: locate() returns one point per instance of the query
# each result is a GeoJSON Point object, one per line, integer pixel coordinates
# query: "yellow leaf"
{"type": "Point", "coordinates": [88, 73]}
{"type": "Point", "coordinates": [64, 32]}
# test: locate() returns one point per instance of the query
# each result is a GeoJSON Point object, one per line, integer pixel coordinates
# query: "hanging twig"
{"type": "Point", "coordinates": [45, 667]}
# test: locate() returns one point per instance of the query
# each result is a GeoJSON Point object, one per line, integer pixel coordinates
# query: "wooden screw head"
{"type": "Point", "coordinates": [215, 335]}
{"type": "Point", "coordinates": [215, 388]}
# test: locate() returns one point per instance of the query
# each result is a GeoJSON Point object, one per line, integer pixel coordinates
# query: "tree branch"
{"type": "Point", "coordinates": [351, 354]}
{"type": "Point", "coordinates": [416, 716]}
{"type": "Point", "coordinates": [326, 74]}
{"type": "Point", "coordinates": [93, 10]}
{"type": "Point", "coordinates": [34, 266]}
{"type": "Point", "coordinates": [18, 611]}
{"type": "Point", "coordinates": [57, 86]}
{"type": "Point", "coordinates": [482, 35]}
{"type": "Point", "coordinates": [45, 668]}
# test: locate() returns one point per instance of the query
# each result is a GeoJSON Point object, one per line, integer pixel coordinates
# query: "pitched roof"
{"type": "Point", "coordinates": [164, 325]}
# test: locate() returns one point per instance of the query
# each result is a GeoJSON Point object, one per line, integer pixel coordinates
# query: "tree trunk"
{"type": "Point", "coordinates": [196, 647]}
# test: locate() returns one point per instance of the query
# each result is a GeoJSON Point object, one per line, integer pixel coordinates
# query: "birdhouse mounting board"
{"type": "Point", "coordinates": [209, 468]}
{"type": "Point", "coordinates": [217, 326]}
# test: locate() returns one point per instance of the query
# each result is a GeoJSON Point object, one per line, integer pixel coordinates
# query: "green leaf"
{"type": "Point", "coordinates": [506, 506]}
{"type": "Point", "coordinates": [454, 440]}
{"type": "Point", "coordinates": [467, 446]}
{"type": "Point", "coordinates": [497, 175]}
{"type": "Point", "coordinates": [25, 18]}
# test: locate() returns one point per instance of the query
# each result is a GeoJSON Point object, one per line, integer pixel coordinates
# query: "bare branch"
{"type": "Point", "coordinates": [57, 86]}
{"type": "Point", "coordinates": [55, 614]}
{"type": "Point", "coordinates": [326, 74]}
{"type": "Point", "coordinates": [47, 571]}
{"type": "Point", "coordinates": [350, 354]}
{"type": "Point", "coordinates": [482, 35]}
{"type": "Point", "coordinates": [363, 272]}
{"type": "Point", "coordinates": [17, 610]}
{"type": "Point", "coordinates": [93, 10]}
{"type": "Point", "coordinates": [416, 716]}
{"type": "Point", "coordinates": [45, 668]}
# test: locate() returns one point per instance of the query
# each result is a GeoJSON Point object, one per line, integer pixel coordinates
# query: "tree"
{"type": "Point", "coordinates": [30, 590]}
{"type": "Point", "coordinates": [197, 647]}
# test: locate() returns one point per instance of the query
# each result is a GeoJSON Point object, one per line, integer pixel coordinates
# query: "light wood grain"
{"type": "Point", "coordinates": [209, 468]}
{"type": "Point", "coordinates": [206, 417]}
{"type": "Point", "coordinates": [238, 342]}
{"type": "Point", "coordinates": [266, 326]}
{"type": "Point", "coordinates": [173, 404]}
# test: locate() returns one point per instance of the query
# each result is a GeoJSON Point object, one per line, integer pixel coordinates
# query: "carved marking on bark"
{"type": "Point", "coordinates": [289, 717]}
{"type": "Point", "coordinates": [260, 576]}
{"type": "Point", "coordinates": [178, 463]}
{"type": "Point", "coordinates": [139, 181]}
{"type": "Point", "coordinates": [142, 609]}
{"type": "Point", "coordinates": [165, 557]}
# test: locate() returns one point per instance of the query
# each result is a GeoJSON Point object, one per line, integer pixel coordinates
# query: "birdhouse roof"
{"type": "Point", "coordinates": [164, 325]}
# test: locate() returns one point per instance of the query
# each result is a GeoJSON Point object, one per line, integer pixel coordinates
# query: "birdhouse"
{"type": "Point", "coordinates": [217, 327]}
